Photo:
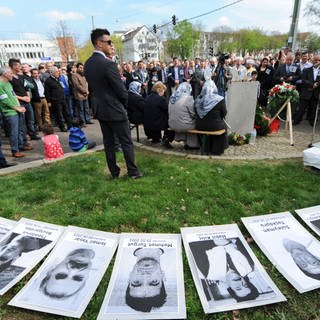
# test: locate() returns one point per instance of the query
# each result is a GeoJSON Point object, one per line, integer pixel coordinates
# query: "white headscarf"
{"type": "Point", "coordinates": [207, 99]}
{"type": "Point", "coordinates": [134, 87]}
{"type": "Point", "coordinates": [184, 89]}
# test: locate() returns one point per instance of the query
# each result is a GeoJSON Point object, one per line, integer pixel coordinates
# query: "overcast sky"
{"type": "Point", "coordinates": [25, 18]}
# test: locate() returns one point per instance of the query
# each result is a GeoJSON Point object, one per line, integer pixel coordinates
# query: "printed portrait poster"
{"type": "Point", "coordinates": [226, 273]}
{"type": "Point", "coordinates": [289, 246]}
{"type": "Point", "coordinates": [68, 278]}
{"type": "Point", "coordinates": [5, 226]}
{"type": "Point", "coordinates": [147, 279]}
{"type": "Point", "coordinates": [311, 216]}
{"type": "Point", "coordinates": [23, 247]}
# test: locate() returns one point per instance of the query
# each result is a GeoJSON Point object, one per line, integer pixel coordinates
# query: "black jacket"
{"type": "Point", "coordinates": [136, 104]}
{"type": "Point", "coordinates": [307, 84]}
{"type": "Point", "coordinates": [281, 72]}
{"type": "Point", "coordinates": [155, 113]}
{"type": "Point", "coordinates": [213, 120]}
{"type": "Point", "coordinates": [107, 87]}
{"type": "Point", "coordinates": [54, 91]}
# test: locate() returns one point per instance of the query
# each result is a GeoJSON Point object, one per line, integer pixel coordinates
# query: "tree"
{"type": "Point", "coordinates": [65, 41]}
{"type": "Point", "coordinates": [85, 51]}
{"type": "Point", "coordinates": [182, 39]}
{"type": "Point", "coordinates": [313, 10]}
{"type": "Point", "coordinates": [118, 45]}
{"type": "Point", "coordinates": [313, 42]}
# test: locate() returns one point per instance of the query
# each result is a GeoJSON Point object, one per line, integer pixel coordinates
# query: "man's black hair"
{"type": "Point", "coordinates": [79, 64]}
{"type": "Point", "coordinates": [13, 61]}
{"type": "Point", "coordinates": [98, 33]}
{"type": "Point", "coordinates": [147, 303]}
{"type": "Point", "coordinates": [254, 293]}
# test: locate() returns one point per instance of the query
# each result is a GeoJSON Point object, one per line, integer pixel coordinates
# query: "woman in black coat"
{"type": "Point", "coordinates": [136, 103]}
{"type": "Point", "coordinates": [156, 116]}
{"type": "Point", "coordinates": [265, 75]}
{"type": "Point", "coordinates": [211, 110]}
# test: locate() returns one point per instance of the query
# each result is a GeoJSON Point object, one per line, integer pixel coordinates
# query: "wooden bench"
{"type": "Point", "coordinates": [201, 134]}
{"type": "Point", "coordinates": [132, 126]}
{"type": "Point", "coordinates": [203, 137]}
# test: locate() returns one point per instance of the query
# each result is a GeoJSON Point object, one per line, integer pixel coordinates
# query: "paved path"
{"type": "Point", "coordinates": [273, 146]}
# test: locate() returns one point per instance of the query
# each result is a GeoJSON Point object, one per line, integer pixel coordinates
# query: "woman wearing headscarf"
{"type": "Point", "coordinates": [156, 116]}
{"type": "Point", "coordinates": [211, 110]}
{"type": "Point", "coordinates": [182, 116]}
{"type": "Point", "coordinates": [136, 103]}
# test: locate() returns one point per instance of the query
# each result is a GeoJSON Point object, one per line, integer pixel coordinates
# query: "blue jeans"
{"type": "Point", "coordinates": [17, 132]}
{"type": "Point", "coordinates": [70, 106]}
{"type": "Point", "coordinates": [82, 111]}
{"type": "Point", "coordinates": [30, 119]}
{"type": "Point", "coordinates": [3, 161]}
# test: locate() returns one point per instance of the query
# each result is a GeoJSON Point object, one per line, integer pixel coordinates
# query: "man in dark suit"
{"type": "Point", "coordinates": [288, 72]}
{"type": "Point", "coordinates": [310, 91]}
{"type": "Point", "coordinates": [141, 75]}
{"type": "Point", "coordinates": [175, 75]}
{"type": "Point", "coordinates": [106, 85]}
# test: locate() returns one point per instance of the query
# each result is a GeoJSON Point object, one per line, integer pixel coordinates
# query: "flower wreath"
{"type": "Point", "coordinates": [278, 96]}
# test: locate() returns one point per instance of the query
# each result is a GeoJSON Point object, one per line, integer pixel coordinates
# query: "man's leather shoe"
{"type": "Point", "coordinates": [18, 155]}
{"type": "Point", "coordinates": [137, 176]}
{"type": "Point", "coordinates": [26, 148]}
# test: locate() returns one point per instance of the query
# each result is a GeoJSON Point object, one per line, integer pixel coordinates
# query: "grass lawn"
{"type": "Point", "coordinates": [175, 193]}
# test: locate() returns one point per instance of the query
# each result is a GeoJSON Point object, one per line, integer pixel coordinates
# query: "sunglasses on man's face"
{"type": "Point", "coordinates": [109, 42]}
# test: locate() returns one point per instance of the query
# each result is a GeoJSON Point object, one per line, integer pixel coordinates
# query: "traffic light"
{"type": "Point", "coordinates": [174, 20]}
{"type": "Point", "coordinates": [154, 28]}
{"type": "Point", "coordinates": [211, 51]}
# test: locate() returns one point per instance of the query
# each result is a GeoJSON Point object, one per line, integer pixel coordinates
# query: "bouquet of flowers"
{"type": "Point", "coordinates": [261, 122]}
{"type": "Point", "coordinates": [278, 96]}
{"type": "Point", "coordinates": [238, 139]}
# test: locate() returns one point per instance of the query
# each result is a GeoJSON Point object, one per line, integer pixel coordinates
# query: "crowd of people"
{"type": "Point", "coordinates": [37, 99]}
{"type": "Point", "coordinates": [168, 99]}
{"type": "Point", "coordinates": [193, 85]}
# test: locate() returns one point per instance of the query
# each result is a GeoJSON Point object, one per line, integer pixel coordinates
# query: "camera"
{"type": "Point", "coordinates": [222, 57]}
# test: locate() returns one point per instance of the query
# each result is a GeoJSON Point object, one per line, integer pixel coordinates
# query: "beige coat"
{"type": "Point", "coordinates": [80, 86]}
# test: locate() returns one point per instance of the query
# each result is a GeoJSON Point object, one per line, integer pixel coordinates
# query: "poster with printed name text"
{"type": "Point", "coordinates": [289, 246]}
{"type": "Point", "coordinates": [23, 247]}
{"type": "Point", "coordinates": [147, 279]}
{"type": "Point", "coordinates": [67, 280]}
{"type": "Point", "coordinates": [226, 273]}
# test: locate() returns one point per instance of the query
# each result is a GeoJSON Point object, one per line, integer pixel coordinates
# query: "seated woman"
{"type": "Point", "coordinates": [136, 103]}
{"type": "Point", "coordinates": [211, 110]}
{"type": "Point", "coordinates": [156, 116]}
{"type": "Point", "coordinates": [182, 116]}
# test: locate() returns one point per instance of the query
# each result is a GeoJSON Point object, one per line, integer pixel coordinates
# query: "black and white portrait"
{"type": "Point", "coordinates": [69, 276]}
{"type": "Point", "coordinates": [14, 250]}
{"type": "Point", "coordinates": [147, 279]}
{"type": "Point", "coordinates": [227, 270]}
{"type": "Point", "coordinates": [306, 261]}
{"type": "Point", "coordinates": [289, 246]}
{"type": "Point", "coordinates": [66, 281]}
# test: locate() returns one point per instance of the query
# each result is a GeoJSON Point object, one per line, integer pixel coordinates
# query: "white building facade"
{"type": "Point", "coordinates": [141, 44]}
{"type": "Point", "coordinates": [32, 52]}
